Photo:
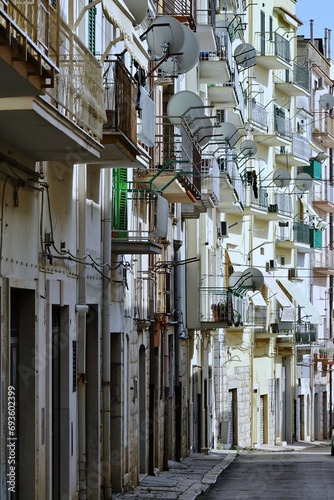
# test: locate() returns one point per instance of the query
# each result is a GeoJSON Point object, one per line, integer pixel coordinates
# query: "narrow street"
{"type": "Point", "coordinates": [308, 474]}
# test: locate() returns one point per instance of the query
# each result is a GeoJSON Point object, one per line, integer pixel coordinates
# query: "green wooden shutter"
{"type": "Point", "coordinates": [91, 28]}
{"type": "Point", "coordinates": [120, 199]}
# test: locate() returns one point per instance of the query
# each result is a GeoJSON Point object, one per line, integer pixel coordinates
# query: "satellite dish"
{"type": "Point", "coordinates": [227, 132]}
{"type": "Point", "coordinates": [282, 178]}
{"type": "Point", "coordinates": [138, 9]}
{"type": "Point", "coordinates": [252, 278]}
{"type": "Point", "coordinates": [326, 102]}
{"type": "Point", "coordinates": [304, 182]}
{"type": "Point", "coordinates": [235, 279]}
{"type": "Point", "coordinates": [188, 59]}
{"type": "Point", "coordinates": [167, 39]}
{"type": "Point", "coordinates": [185, 104]}
{"type": "Point", "coordinates": [245, 55]}
{"type": "Point", "coordinates": [205, 131]}
{"type": "Point", "coordinates": [248, 148]}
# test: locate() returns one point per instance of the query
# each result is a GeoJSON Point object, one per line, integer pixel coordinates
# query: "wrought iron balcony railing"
{"type": "Point", "coordinates": [221, 305]}
{"type": "Point", "coordinates": [78, 90]}
{"type": "Point", "coordinates": [183, 10]}
{"type": "Point", "coordinates": [31, 30]}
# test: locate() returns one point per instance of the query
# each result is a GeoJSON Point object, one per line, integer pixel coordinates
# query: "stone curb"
{"type": "Point", "coordinates": [210, 478]}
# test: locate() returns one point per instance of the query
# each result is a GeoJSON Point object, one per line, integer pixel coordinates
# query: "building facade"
{"type": "Point", "coordinates": [166, 237]}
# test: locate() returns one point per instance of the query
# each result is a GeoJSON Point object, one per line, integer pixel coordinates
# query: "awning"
{"type": "Point", "coordinates": [237, 260]}
{"type": "Point", "coordinates": [257, 299]}
{"type": "Point", "coordinates": [310, 313]}
{"type": "Point", "coordinates": [319, 223]}
{"type": "Point", "coordinates": [275, 289]}
{"type": "Point", "coordinates": [116, 16]}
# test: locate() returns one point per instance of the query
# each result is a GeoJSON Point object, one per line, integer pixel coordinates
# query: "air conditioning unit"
{"type": "Point", "coordinates": [222, 231]}
{"type": "Point", "coordinates": [292, 274]}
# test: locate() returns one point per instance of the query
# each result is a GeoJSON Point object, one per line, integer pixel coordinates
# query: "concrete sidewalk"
{"type": "Point", "coordinates": [185, 480]}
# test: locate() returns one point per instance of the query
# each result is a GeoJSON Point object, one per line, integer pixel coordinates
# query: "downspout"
{"type": "Point", "coordinates": [106, 341]}
{"type": "Point", "coordinates": [330, 298]}
{"type": "Point", "coordinates": [152, 376]}
{"type": "Point", "coordinates": [81, 324]}
{"type": "Point", "coordinates": [177, 330]}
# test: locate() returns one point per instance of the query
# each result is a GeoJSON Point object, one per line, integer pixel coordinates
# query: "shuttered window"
{"type": "Point", "coordinates": [91, 28]}
{"type": "Point", "coordinates": [120, 218]}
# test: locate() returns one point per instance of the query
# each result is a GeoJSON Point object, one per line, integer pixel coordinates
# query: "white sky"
{"type": "Point", "coordinates": [322, 12]}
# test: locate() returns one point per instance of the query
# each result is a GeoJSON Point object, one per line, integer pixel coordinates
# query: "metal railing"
{"type": "Point", "coordinates": [325, 259]}
{"type": "Point", "coordinates": [36, 21]}
{"type": "Point", "coordinates": [228, 167]}
{"type": "Point", "coordinates": [272, 44]}
{"type": "Point", "coordinates": [298, 75]}
{"type": "Point", "coordinates": [210, 179]}
{"type": "Point", "coordinates": [221, 305]}
{"type": "Point", "coordinates": [258, 114]}
{"type": "Point", "coordinates": [301, 232]}
{"type": "Point", "coordinates": [177, 8]}
{"type": "Point", "coordinates": [301, 147]}
{"type": "Point", "coordinates": [294, 231]}
{"type": "Point", "coordinates": [305, 333]}
{"type": "Point", "coordinates": [120, 99]}
{"type": "Point", "coordinates": [280, 203]}
{"type": "Point", "coordinates": [78, 90]}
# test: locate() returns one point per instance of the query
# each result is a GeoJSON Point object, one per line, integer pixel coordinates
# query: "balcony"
{"type": "Point", "coordinates": [279, 205]}
{"type": "Point", "coordinates": [183, 10]}
{"type": "Point", "coordinates": [228, 93]}
{"type": "Point", "coordinates": [154, 209]}
{"type": "Point", "coordinates": [256, 201]}
{"type": "Point", "coordinates": [120, 130]}
{"type": "Point", "coordinates": [323, 197]}
{"type": "Point", "coordinates": [29, 47]}
{"type": "Point", "coordinates": [215, 66]}
{"type": "Point", "coordinates": [220, 308]}
{"type": "Point", "coordinates": [210, 192]}
{"type": "Point", "coordinates": [272, 51]}
{"type": "Point", "coordinates": [323, 131]}
{"type": "Point", "coordinates": [279, 130]}
{"type": "Point", "coordinates": [269, 129]}
{"type": "Point", "coordinates": [66, 123]}
{"type": "Point", "coordinates": [232, 189]}
{"type": "Point", "coordinates": [298, 155]}
{"type": "Point", "coordinates": [293, 235]}
{"type": "Point", "coordinates": [174, 170]}
{"type": "Point", "coordinates": [306, 333]}
{"type": "Point", "coordinates": [293, 82]}
{"type": "Point", "coordinates": [323, 262]}
{"type": "Point", "coordinates": [257, 115]}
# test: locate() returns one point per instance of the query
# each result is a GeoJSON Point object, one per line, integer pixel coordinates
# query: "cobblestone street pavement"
{"type": "Point", "coordinates": [185, 480]}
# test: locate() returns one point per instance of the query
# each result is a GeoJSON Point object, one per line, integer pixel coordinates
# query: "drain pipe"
{"type": "Point", "coordinates": [311, 30]}
{"type": "Point", "coordinates": [81, 325]}
{"type": "Point", "coordinates": [330, 298]}
{"type": "Point", "coordinates": [106, 341]}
